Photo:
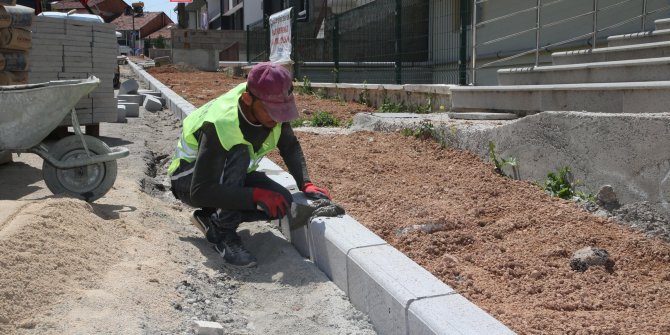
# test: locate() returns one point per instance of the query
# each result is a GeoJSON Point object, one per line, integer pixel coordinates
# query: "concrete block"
{"type": "Point", "coordinates": [269, 167]}
{"type": "Point", "coordinates": [284, 179]}
{"type": "Point", "coordinates": [129, 86]}
{"type": "Point", "coordinates": [152, 104]}
{"type": "Point", "coordinates": [150, 92]}
{"type": "Point", "coordinates": [121, 114]}
{"type": "Point", "coordinates": [639, 38]}
{"type": "Point", "coordinates": [661, 24]}
{"type": "Point", "coordinates": [5, 157]}
{"type": "Point", "coordinates": [132, 109]}
{"type": "Point", "coordinates": [451, 314]}
{"type": "Point", "coordinates": [331, 239]}
{"type": "Point", "coordinates": [208, 328]}
{"type": "Point", "coordinates": [382, 282]}
{"type": "Point", "coordinates": [134, 98]}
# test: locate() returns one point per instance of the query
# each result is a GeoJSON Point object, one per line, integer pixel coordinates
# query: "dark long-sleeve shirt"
{"type": "Point", "coordinates": [207, 190]}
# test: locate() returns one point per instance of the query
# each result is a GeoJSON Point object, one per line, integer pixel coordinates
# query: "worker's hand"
{"type": "Point", "coordinates": [315, 192]}
{"type": "Point", "coordinates": [272, 203]}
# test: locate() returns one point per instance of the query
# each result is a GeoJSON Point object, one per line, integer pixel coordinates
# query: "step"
{"type": "Point", "coordinates": [640, 97]}
{"type": "Point", "coordinates": [639, 38]}
{"type": "Point", "coordinates": [652, 69]}
{"type": "Point", "coordinates": [635, 51]}
{"type": "Point", "coordinates": [661, 24]}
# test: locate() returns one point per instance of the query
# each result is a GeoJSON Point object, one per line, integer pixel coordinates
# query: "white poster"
{"type": "Point", "coordinates": [280, 36]}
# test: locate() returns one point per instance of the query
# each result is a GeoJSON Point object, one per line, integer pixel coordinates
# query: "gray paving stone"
{"type": "Point", "coordinates": [121, 114]}
{"type": "Point", "coordinates": [331, 240]}
{"type": "Point", "coordinates": [152, 104]}
{"type": "Point", "coordinates": [132, 109]}
{"type": "Point", "coordinates": [451, 314]}
{"type": "Point", "coordinates": [134, 98]}
{"type": "Point", "coordinates": [382, 282]}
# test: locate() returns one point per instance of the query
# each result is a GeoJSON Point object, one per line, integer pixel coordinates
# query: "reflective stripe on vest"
{"type": "Point", "coordinates": [222, 112]}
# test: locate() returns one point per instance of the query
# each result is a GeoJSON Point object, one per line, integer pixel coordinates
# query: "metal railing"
{"type": "Point", "coordinates": [541, 5]}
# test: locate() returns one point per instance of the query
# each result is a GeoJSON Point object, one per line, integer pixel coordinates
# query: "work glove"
{"type": "Point", "coordinates": [272, 203]}
{"type": "Point", "coordinates": [315, 192]}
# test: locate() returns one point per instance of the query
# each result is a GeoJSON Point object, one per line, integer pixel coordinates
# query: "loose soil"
{"type": "Point", "coordinates": [503, 244]}
{"type": "Point", "coordinates": [131, 263]}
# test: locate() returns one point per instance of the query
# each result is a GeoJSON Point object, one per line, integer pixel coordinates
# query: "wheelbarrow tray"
{"type": "Point", "coordinates": [28, 113]}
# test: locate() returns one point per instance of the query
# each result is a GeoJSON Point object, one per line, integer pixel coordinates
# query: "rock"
{"type": "Point", "coordinates": [208, 328]}
{"type": "Point", "coordinates": [606, 197]}
{"type": "Point", "coordinates": [587, 257]}
{"type": "Point", "coordinates": [152, 104]}
{"type": "Point", "coordinates": [158, 61]}
{"type": "Point", "coordinates": [4, 319]}
{"type": "Point", "coordinates": [129, 86]}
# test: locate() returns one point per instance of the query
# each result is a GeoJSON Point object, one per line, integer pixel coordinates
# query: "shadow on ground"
{"type": "Point", "coordinates": [278, 260]}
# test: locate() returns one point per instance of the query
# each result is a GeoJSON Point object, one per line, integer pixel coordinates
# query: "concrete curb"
{"type": "Point", "coordinates": [399, 296]}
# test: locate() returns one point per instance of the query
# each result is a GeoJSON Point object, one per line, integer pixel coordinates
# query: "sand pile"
{"type": "Point", "coordinates": [49, 248]}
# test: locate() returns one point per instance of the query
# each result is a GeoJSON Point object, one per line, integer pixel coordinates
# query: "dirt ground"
{"type": "Point", "coordinates": [504, 244]}
{"type": "Point", "coordinates": [131, 263]}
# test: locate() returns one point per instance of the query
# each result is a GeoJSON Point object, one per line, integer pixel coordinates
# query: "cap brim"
{"type": "Point", "coordinates": [282, 111]}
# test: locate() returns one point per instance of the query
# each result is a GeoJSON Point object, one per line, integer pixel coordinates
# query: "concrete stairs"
{"type": "Point", "coordinates": [630, 75]}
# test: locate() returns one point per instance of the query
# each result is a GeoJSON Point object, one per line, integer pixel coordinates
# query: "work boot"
{"type": "Point", "coordinates": [233, 251]}
{"type": "Point", "coordinates": [201, 220]}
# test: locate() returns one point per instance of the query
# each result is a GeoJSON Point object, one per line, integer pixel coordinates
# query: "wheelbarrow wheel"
{"type": "Point", "coordinates": [88, 182]}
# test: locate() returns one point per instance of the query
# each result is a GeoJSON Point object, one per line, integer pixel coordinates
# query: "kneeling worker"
{"type": "Point", "coordinates": [222, 142]}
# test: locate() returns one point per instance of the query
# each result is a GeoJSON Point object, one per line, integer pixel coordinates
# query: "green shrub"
{"type": "Point", "coordinates": [324, 119]}
{"type": "Point", "coordinates": [562, 185]}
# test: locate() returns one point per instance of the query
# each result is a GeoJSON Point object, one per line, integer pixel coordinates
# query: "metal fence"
{"type": "Point", "coordinates": [382, 41]}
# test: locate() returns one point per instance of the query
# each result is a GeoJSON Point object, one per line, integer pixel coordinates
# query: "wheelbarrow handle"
{"type": "Point", "coordinates": [116, 153]}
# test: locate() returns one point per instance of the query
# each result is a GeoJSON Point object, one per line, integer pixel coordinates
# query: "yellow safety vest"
{"type": "Point", "coordinates": [222, 113]}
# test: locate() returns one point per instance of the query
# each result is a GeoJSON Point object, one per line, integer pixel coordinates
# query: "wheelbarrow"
{"type": "Point", "coordinates": [80, 166]}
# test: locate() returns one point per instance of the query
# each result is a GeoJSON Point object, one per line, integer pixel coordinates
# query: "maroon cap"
{"type": "Point", "coordinates": [271, 83]}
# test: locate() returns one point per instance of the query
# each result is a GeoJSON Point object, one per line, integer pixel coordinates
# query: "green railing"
{"type": "Point", "coordinates": [382, 41]}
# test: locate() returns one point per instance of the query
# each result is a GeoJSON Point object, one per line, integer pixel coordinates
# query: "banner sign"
{"type": "Point", "coordinates": [280, 36]}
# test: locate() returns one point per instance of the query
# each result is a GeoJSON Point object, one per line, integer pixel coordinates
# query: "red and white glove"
{"type": "Point", "coordinates": [315, 192]}
{"type": "Point", "coordinates": [272, 203]}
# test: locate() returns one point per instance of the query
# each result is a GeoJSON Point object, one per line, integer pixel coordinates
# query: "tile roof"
{"type": "Point", "coordinates": [166, 32]}
{"type": "Point", "coordinates": [74, 4]}
{"type": "Point", "coordinates": [125, 22]}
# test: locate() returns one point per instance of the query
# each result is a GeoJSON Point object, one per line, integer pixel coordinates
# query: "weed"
{"type": "Point", "coordinates": [299, 122]}
{"type": "Point", "coordinates": [321, 94]}
{"type": "Point", "coordinates": [392, 107]}
{"type": "Point", "coordinates": [324, 119]}
{"type": "Point", "coordinates": [423, 132]}
{"type": "Point", "coordinates": [502, 163]}
{"type": "Point", "coordinates": [425, 108]}
{"type": "Point", "coordinates": [364, 96]}
{"type": "Point", "coordinates": [306, 87]}
{"type": "Point", "coordinates": [562, 185]}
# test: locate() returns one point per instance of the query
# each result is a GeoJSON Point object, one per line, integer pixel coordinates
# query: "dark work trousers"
{"type": "Point", "coordinates": [234, 174]}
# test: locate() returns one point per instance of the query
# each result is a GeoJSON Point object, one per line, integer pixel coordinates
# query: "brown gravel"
{"type": "Point", "coordinates": [503, 244]}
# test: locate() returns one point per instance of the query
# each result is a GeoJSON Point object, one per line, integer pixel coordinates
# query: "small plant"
{"type": "Point", "coordinates": [425, 108]}
{"type": "Point", "coordinates": [324, 119]}
{"type": "Point", "coordinates": [364, 96]}
{"type": "Point", "coordinates": [562, 185]}
{"type": "Point", "coordinates": [392, 107]}
{"type": "Point", "coordinates": [425, 131]}
{"type": "Point", "coordinates": [299, 122]}
{"type": "Point", "coordinates": [321, 94]}
{"type": "Point", "coordinates": [502, 163]}
{"type": "Point", "coordinates": [306, 87]}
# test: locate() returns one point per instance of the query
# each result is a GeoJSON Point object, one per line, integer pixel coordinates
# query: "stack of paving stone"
{"type": "Point", "coordinates": [72, 49]}
{"type": "Point", "coordinates": [15, 42]}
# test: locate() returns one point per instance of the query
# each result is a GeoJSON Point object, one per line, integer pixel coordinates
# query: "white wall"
{"type": "Point", "coordinates": [252, 11]}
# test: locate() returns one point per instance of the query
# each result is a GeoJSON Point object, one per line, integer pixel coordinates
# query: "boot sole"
{"type": "Point", "coordinates": [198, 224]}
